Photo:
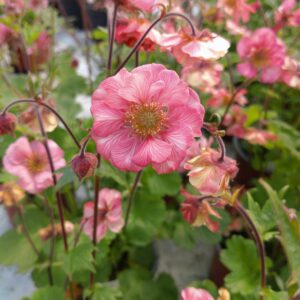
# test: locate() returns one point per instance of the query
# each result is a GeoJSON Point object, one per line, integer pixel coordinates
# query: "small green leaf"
{"type": "Point", "coordinates": [49, 293]}
{"type": "Point", "coordinates": [68, 176]}
{"type": "Point", "coordinates": [272, 295]}
{"type": "Point", "coordinates": [103, 292]}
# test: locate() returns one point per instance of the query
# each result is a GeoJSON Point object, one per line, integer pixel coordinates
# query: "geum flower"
{"type": "Point", "coordinates": [188, 49]}
{"type": "Point", "coordinates": [109, 214]}
{"type": "Point", "coordinates": [290, 74]}
{"type": "Point", "coordinates": [29, 161]}
{"type": "Point", "coordinates": [209, 174]}
{"type": "Point", "coordinates": [191, 293]}
{"type": "Point", "coordinates": [129, 31]}
{"type": "Point", "coordinates": [147, 116]}
{"type": "Point", "coordinates": [286, 15]}
{"type": "Point", "coordinates": [262, 54]}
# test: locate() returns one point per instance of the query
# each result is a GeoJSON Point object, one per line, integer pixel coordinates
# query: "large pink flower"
{"type": "Point", "coordinates": [147, 116]}
{"type": "Point", "coordinates": [188, 49]}
{"type": "Point", "coordinates": [263, 54]}
{"type": "Point", "coordinates": [109, 214]}
{"type": "Point", "coordinates": [29, 161]}
{"type": "Point", "coordinates": [195, 294]}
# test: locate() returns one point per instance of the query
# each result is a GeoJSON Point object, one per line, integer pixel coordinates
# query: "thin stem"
{"type": "Point", "coordinates": [143, 37]}
{"type": "Point", "coordinates": [82, 150]}
{"type": "Point", "coordinates": [112, 38]}
{"type": "Point", "coordinates": [131, 197]}
{"type": "Point", "coordinates": [259, 244]}
{"type": "Point", "coordinates": [11, 104]}
{"type": "Point", "coordinates": [52, 168]}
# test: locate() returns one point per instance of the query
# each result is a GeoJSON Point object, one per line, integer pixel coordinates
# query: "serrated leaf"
{"type": "Point", "coordinates": [240, 257]}
{"type": "Point", "coordinates": [102, 292]}
{"type": "Point", "coordinates": [289, 233]}
{"type": "Point", "coordinates": [49, 293]}
{"type": "Point", "coordinates": [272, 295]}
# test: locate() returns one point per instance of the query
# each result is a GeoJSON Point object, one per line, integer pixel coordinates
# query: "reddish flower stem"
{"type": "Point", "coordinates": [143, 37]}
{"type": "Point", "coordinates": [11, 104]}
{"type": "Point", "coordinates": [259, 244]}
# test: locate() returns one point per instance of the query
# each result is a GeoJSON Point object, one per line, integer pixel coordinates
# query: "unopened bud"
{"type": "Point", "coordinates": [7, 123]}
{"type": "Point", "coordinates": [56, 230]}
{"type": "Point", "coordinates": [84, 165]}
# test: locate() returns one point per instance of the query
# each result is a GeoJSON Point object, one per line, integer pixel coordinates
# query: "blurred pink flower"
{"type": "Point", "coordinates": [198, 212]}
{"type": "Point", "coordinates": [129, 31]}
{"type": "Point", "coordinates": [14, 7]}
{"type": "Point", "coordinates": [262, 54]}
{"type": "Point", "coordinates": [204, 75]}
{"type": "Point", "coordinates": [222, 97]}
{"type": "Point", "coordinates": [195, 294]}
{"type": "Point", "coordinates": [258, 136]}
{"type": "Point", "coordinates": [5, 34]}
{"type": "Point", "coordinates": [290, 74]}
{"type": "Point", "coordinates": [147, 116]}
{"type": "Point", "coordinates": [188, 49]}
{"type": "Point", "coordinates": [109, 214]}
{"type": "Point", "coordinates": [38, 4]}
{"type": "Point", "coordinates": [210, 175]}
{"type": "Point", "coordinates": [29, 161]}
{"type": "Point", "coordinates": [286, 15]}
{"type": "Point", "coordinates": [235, 121]}
{"type": "Point", "coordinates": [236, 29]}
{"type": "Point", "coordinates": [238, 9]}
{"type": "Point", "coordinates": [143, 5]}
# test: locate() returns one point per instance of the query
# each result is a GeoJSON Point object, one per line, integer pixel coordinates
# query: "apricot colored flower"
{"type": "Point", "coordinates": [10, 194]}
{"type": "Point", "coordinates": [51, 231]}
{"type": "Point", "coordinates": [209, 174]}
{"type": "Point", "coordinates": [262, 54]}
{"type": "Point", "coordinates": [146, 116]}
{"type": "Point", "coordinates": [195, 294]}
{"type": "Point", "coordinates": [204, 75]}
{"type": "Point", "coordinates": [188, 49]}
{"type": "Point", "coordinates": [129, 31]}
{"type": "Point", "coordinates": [109, 214]}
{"type": "Point", "coordinates": [29, 161]}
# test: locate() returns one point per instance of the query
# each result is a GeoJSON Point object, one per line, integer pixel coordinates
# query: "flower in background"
{"type": "Point", "coordinates": [10, 194]}
{"type": "Point", "coordinates": [188, 49]}
{"type": "Point", "coordinates": [51, 231]}
{"type": "Point", "coordinates": [290, 74]}
{"type": "Point", "coordinates": [204, 75]}
{"type": "Point", "coordinates": [5, 34]}
{"type": "Point", "coordinates": [195, 294]}
{"type": "Point", "coordinates": [209, 174]}
{"type": "Point", "coordinates": [147, 116]}
{"type": "Point", "coordinates": [7, 123]}
{"type": "Point", "coordinates": [236, 29]}
{"type": "Point", "coordinates": [129, 31]}
{"type": "Point", "coordinates": [286, 15]}
{"type": "Point", "coordinates": [143, 5]}
{"type": "Point", "coordinates": [235, 121]}
{"type": "Point", "coordinates": [38, 4]}
{"type": "Point", "coordinates": [14, 7]}
{"type": "Point", "coordinates": [262, 55]}
{"type": "Point", "coordinates": [238, 9]}
{"type": "Point", "coordinates": [29, 161]}
{"type": "Point", "coordinates": [259, 136]}
{"type": "Point", "coordinates": [222, 97]}
{"type": "Point", "coordinates": [109, 214]}
{"type": "Point", "coordinates": [198, 212]}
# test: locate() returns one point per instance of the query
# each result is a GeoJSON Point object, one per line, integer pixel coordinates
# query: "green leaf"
{"type": "Point", "coordinates": [68, 176]}
{"type": "Point", "coordinates": [49, 293]}
{"type": "Point", "coordinates": [103, 292]}
{"type": "Point", "coordinates": [240, 257]}
{"type": "Point", "coordinates": [272, 295]}
{"type": "Point", "coordinates": [79, 259]}
{"type": "Point", "coordinates": [289, 233]}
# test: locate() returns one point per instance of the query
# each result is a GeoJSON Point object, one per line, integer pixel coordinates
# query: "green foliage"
{"type": "Point", "coordinates": [49, 293]}
{"type": "Point", "coordinates": [269, 294]}
{"type": "Point", "coordinates": [106, 293]}
{"type": "Point", "coordinates": [240, 257]}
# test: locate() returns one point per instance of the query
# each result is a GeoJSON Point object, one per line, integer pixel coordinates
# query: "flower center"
{"type": "Point", "coordinates": [230, 3]}
{"type": "Point", "coordinates": [146, 119]}
{"type": "Point", "coordinates": [35, 164]}
{"type": "Point", "coordinates": [259, 59]}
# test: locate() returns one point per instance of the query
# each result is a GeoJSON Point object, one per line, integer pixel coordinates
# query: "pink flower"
{"type": "Point", "coordinates": [238, 9]}
{"type": "Point", "coordinates": [286, 15]}
{"type": "Point", "coordinates": [262, 54]}
{"type": "Point", "coordinates": [290, 74]}
{"type": "Point", "coordinates": [14, 7]}
{"type": "Point", "coordinates": [129, 31]}
{"type": "Point", "coordinates": [109, 214]}
{"type": "Point", "coordinates": [222, 97]}
{"type": "Point", "coordinates": [236, 29]}
{"type": "Point", "coordinates": [147, 116]}
{"type": "Point", "coordinates": [195, 294]}
{"type": "Point", "coordinates": [143, 5]}
{"type": "Point", "coordinates": [204, 75]}
{"type": "Point", "coordinates": [258, 136]}
{"type": "Point", "coordinates": [38, 4]}
{"type": "Point", "coordinates": [29, 161]}
{"type": "Point", "coordinates": [198, 212]}
{"type": "Point", "coordinates": [209, 174]}
{"type": "Point", "coordinates": [189, 49]}
{"type": "Point", "coordinates": [235, 121]}
{"type": "Point", "coordinates": [5, 34]}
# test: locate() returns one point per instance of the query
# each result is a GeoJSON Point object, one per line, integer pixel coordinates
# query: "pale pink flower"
{"type": "Point", "coordinates": [143, 5]}
{"type": "Point", "coordinates": [198, 212]}
{"type": "Point", "coordinates": [129, 31]}
{"type": "Point", "coordinates": [286, 15]}
{"type": "Point", "coordinates": [204, 75]}
{"type": "Point", "coordinates": [236, 29]}
{"type": "Point", "coordinates": [195, 294]}
{"type": "Point", "coordinates": [222, 97]}
{"type": "Point", "coordinates": [5, 34]}
{"type": "Point", "coordinates": [29, 161]}
{"type": "Point", "coordinates": [38, 4]}
{"type": "Point", "coordinates": [290, 74]}
{"type": "Point", "coordinates": [238, 9]}
{"type": "Point", "coordinates": [109, 214]}
{"type": "Point", "coordinates": [14, 7]}
{"type": "Point", "coordinates": [262, 54]}
{"type": "Point", "coordinates": [209, 174]}
{"type": "Point", "coordinates": [147, 116]}
{"type": "Point", "coordinates": [259, 136]}
{"type": "Point", "coordinates": [188, 49]}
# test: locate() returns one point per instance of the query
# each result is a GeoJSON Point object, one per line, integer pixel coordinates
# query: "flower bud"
{"type": "Point", "coordinates": [84, 165]}
{"type": "Point", "coordinates": [49, 231]}
{"type": "Point", "coordinates": [7, 123]}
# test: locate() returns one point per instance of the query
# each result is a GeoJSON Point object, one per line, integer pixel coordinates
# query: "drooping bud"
{"type": "Point", "coordinates": [49, 231]}
{"type": "Point", "coordinates": [7, 123]}
{"type": "Point", "coordinates": [84, 165]}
